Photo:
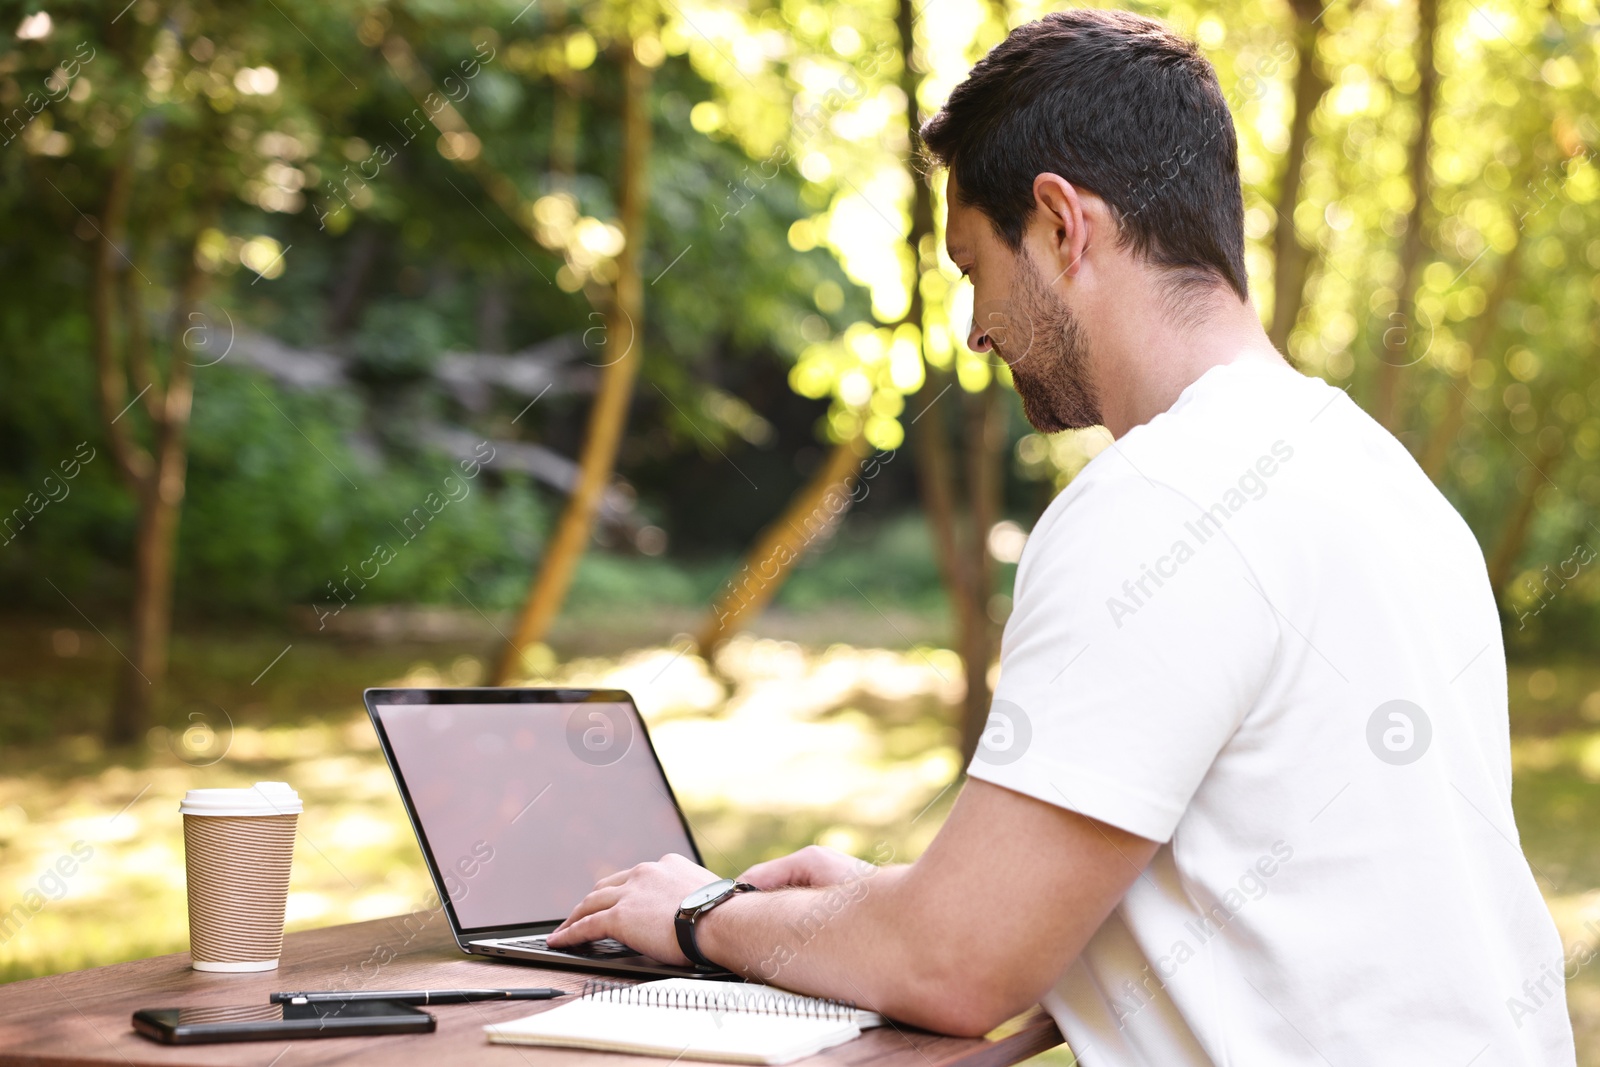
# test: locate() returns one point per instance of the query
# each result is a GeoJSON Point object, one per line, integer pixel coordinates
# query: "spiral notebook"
{"type": "Point", "coordinates": [685, 1018]}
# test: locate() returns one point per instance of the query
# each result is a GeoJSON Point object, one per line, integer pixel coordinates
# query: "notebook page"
{"type": "Point", "coordinates": [687, 1033]}
{"type": "Point", "coordinates": [762, 998]}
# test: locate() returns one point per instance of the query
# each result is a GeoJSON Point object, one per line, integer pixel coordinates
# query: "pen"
{"type": "Point", "coordinates": [419, 996]}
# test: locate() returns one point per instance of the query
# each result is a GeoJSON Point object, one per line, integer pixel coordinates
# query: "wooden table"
{"type": "Point", "coordinates": [82, 1018]}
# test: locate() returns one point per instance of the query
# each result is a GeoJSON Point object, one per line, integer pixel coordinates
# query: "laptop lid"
{"type": "Point", "coordinates": [522, 799]}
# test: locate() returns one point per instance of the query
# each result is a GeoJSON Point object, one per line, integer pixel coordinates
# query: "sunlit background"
{"type": "Point", "coordinates": [348, 344]}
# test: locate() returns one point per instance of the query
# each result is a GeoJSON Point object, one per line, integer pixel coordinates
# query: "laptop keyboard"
{"type": "Point", "coordinates": [605, 948]}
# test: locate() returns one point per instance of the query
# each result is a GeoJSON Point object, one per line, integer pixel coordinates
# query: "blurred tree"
{"type": "Point", "coordinates": [148, 154]}
{"type": "Point", "coordinates": [850, 117]}
{"type": "Point", "coordinates": [622, 303]}
{"type": "Point", "coordinates": [1425, 214]}
{"type": "Point", "coordinates": [960, 526]}
{"type": "Point", "coordinates": [1291, 258]}
{"type": "Point", "coordinates": [155, 475]}
{"type": "Point", "coordinates": [812, 104]}
{"type": "Point", "coordinates": [1401, 341]}
{"type": "Point", "coordinates": [783, 223]}
{"type": "Point", "coordinates": [297, 134]}
{"type": "Point", "coordinates": [624, 319]}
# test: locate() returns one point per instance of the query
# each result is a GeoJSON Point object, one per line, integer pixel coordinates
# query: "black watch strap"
{"type": "Point", "coordinates": [683, 924]}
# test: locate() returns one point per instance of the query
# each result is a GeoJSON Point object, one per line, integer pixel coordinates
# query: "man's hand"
{"type": "Point", "coordinates": [814, 865]}
{"type": "Point", "coordinates": [980, 927]}
{"type": "Point", "coordinates": [637, 907]}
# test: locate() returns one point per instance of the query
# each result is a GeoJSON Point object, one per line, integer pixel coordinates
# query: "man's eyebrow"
{"type": "Point", "coordinates": [955, 252]}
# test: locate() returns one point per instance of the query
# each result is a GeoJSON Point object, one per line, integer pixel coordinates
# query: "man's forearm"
{"type": "Point", "coordinates": [857, 941]}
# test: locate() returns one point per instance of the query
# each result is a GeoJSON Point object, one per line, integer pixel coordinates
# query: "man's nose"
{"type": "Point", "coordinates": [978, 337]}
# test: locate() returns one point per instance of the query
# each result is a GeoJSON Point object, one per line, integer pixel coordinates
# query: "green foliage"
{"type": "Point", "coordinates": [400, 341]}
{"type": "Point", "coordinates": [278, 519]}
{"type": "Point", "coordinates": [339, 222]}
{"type": "Point", "coordinates": [1500, 377]}
{"type": "Point", "coordinates": [332, 215]}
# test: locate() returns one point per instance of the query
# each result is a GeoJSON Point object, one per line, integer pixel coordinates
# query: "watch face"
{"type": "Point", "coordinates": [701, 897]}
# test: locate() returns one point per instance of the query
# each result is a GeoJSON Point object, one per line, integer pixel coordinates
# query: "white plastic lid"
{"type": "Point", "coordinates": [263, 798]}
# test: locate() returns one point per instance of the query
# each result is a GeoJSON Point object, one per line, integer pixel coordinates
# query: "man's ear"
{"type": "Point", "coordinates": [1060, 225]}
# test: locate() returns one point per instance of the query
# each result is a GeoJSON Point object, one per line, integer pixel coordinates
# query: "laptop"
{"type": "Point", "coordinates": [521, 800]}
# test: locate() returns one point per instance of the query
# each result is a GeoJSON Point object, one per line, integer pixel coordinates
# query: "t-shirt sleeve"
{"type": "Point", "coordinates": [1138, 640]}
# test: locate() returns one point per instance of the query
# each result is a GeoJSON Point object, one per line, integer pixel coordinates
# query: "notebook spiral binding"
{"type": "Point", "coordinates": [754, 999]}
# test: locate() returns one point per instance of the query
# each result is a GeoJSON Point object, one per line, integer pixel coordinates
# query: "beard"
{"type": "Point", "coordinates": [1045, 346]}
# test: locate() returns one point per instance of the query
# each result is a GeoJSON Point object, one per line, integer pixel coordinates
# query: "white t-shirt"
{"type": "Point", "coordinates": [1253, 630]}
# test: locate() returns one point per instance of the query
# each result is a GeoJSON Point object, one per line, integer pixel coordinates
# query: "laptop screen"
{"type": "Point", "coordinates": [524, 806]}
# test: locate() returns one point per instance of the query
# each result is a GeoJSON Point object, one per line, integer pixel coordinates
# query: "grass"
{"type": "Point", "coordinates": [851, 746]}
{"type": "Point", "coordinates": [777, 745]}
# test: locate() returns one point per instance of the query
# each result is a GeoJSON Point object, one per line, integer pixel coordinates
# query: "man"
{"type": "Point", "coordinates": [1251, 797]}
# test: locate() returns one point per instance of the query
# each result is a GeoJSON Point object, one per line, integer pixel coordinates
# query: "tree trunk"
{"type": "Point", "coordinates": [155, 548]}
{"type": "Point", "coordinates": [156, 477]}
{"type": "Point", "coordinates": [139, 681]}
{"type": "Point", "coordinates": [1436, 452]}
{"type": "Point", "coordinates": [608, 417]}
{"type": "Point", "coordinates": [1291, 258]}
{"type": "Point", "coordinates": [815, 509]}
{"type": "Point", "coordinates": [985, 442]}
{"type": "Point", "coordinates": [160, 499]}
{"type": "Point", "coordinates": [1399, 343]}
{"type": "Point", "coordinates": [962, 556]}
{"type": "Point", "coordinates": [623, 315]}
{"type": "Point", "coordinates": [936, 485]}
{"type": "Point", "coordinates": [1503, 564]}
{"type": "Point", "coordinates": [960, 535]}
{"type": "Point", "coordinates": [134, 696]}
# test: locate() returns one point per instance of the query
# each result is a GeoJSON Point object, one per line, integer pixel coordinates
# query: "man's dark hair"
{"type": "Point", "coordinates": [1116, 104]}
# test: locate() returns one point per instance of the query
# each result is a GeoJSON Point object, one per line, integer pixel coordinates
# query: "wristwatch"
{"type": "Point", "coordinates": [697, 904]}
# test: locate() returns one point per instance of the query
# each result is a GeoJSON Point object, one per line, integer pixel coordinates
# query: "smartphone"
{"type": "Point", "coordinates": [271, 1022]}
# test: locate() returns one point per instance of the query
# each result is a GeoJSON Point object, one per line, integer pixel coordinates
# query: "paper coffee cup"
{"type": "Point", "coordinates": [238, 845]}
